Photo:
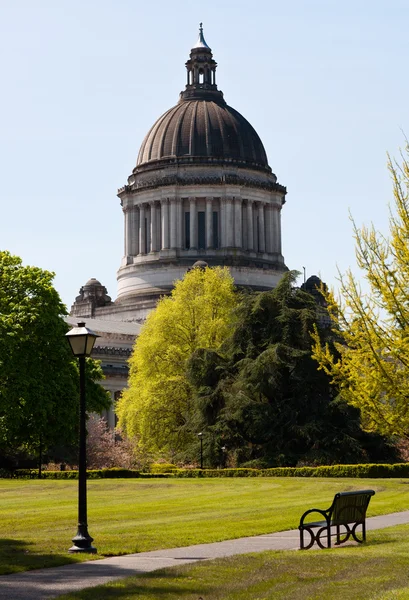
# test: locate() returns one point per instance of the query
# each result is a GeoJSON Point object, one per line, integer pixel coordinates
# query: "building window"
{"type": "Point", "coordinates": [215, 229]}
{"type": "Point", "coordinates": [187, 230]}
{"type": "Point", "coordinates": [201, 230]}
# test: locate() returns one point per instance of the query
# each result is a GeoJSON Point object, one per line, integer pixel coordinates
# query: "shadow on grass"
{"type": "Point", "coordinates": [17, 556]}
{"type": "Point", "coordinates": [160, 584]}
{"type": "Point", "coordinates": [50, 582]}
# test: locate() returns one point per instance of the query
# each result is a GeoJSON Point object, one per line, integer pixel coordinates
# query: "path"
{"type": "Point", "coordinates": [43, 584]}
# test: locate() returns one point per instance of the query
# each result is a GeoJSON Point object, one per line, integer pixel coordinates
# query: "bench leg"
{"type": "Point", "coordinates": [363, 532]}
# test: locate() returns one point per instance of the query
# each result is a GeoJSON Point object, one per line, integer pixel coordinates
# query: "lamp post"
{"type": "Point", "coordinates": [81, 340]}
{"type": "Point", "coordinates": [200, 436]}
{"type": "Point", "coordinates": [224, 451]}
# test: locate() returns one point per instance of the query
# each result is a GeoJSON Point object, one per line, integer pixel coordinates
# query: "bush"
{"type": "Point", "coordinates": [362, 471]}
{"type": "Point", "coordinates": [163, 468]}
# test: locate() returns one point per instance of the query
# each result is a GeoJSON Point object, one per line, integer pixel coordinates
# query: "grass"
{"type": "Point", "coordinates": [378, 570]}
{"type": "Point", "coordinates": [38, 518]}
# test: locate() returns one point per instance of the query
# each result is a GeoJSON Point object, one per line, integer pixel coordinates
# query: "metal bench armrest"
{"type": "Point", "coordinates": [324, 513]}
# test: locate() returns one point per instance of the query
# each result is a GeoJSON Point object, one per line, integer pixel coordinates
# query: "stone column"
{"type": "Point", "coordinates": [173, 223]}
{"type": "Point", "coordinates": [209, 222]}
{"type": "Point", "coordinates": [129, 232]}
{"type": "Point", "coordinates": [135, 231]}
{"type": "Point", "coordinates": [238, 223]}
{"type": "Point", "coordinates": [279, 230]}
{"type": "Point", "coordinates": [269, 229]}
{"type": "Point", "coordinates": [250, 226]}
{"type": "Point", "coordinates": [276, 225]}
{"type": "Point", "coordinates": [126, 217]}
{"type": "Point", "coordinates": [165, 223]}
{"type": "Point", "coordinates": [111, 413]}
{"type": "Point", "coordinates": [193, 223]}
{"type": "Point", "coordinates": [179, 224]}
{"type": "Point", "coordinates": [148, 230]}
{"type": "Point", "coordinates": [261, 227]}
{"type": "Point", "coordinates": [142, 231]}
{"type": "Point", "coordinates": [222, 220]}
{"type": "Point", "coordinates": [154, 228]}
{"type": "Point", "coordinates": [229, 222]}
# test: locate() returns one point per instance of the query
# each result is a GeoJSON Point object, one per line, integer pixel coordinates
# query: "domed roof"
{"type": "Point", "coordinates": [202, 126]}
{"type": "Point", "coordinates": [92, 282]}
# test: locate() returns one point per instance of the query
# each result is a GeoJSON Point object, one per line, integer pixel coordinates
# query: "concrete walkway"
{"type": "Point", "coordinates": [42, 584]}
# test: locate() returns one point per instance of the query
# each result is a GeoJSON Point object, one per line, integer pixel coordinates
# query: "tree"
{"type": "Point", "coordinates": [105, 448]}
{"type": "Point", "coordinates": [263, 397]}
{"type": "Point", "coordinates": [199, 313]}
{"type": "Point", "coordinates": [370, 362]}
{"type": "Point", "coordinates": [39, 394]}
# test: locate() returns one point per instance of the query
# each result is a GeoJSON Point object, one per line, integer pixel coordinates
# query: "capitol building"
{"type": "Point", "coordinates": [201, 190]}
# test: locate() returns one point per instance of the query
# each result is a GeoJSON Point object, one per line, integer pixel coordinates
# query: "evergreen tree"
{"type": "Point", "coordinates": [263, 397]}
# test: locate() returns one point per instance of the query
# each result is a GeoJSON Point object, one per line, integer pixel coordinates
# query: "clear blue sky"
{"type": "Point", "coordinates": [323, 82]}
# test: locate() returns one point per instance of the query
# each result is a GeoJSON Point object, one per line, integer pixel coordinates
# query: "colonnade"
{"type": "Point", "coordinates": [212, 223]}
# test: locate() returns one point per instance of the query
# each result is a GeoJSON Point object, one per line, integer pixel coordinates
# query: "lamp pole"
{"type": "Point", "coordinates": [81, 340]}
{"type": "Point", "coordinates": [224, 451]}
{"type": "Point", "coordinates": [200, 436]}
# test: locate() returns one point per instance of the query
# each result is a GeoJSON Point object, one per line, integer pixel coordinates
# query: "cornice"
{"type": "Point", "coordinates": [112, 351]}
{"type": "Point", "coordinates": [229, 179]}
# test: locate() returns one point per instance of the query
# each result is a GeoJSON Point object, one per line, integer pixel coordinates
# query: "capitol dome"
{"type": "Point", "coordinates": [203, 130]}
{"type": "Point", "coordinates": [201, 190]}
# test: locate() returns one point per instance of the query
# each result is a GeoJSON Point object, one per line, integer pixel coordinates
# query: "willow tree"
{"type": "Point", "coordinates": [156, 408]}
{"type": "Point", "coordinates": [370, 360]}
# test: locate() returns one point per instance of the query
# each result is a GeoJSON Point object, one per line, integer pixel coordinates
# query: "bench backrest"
{"type": "Point", "coordinates": [350, 507]}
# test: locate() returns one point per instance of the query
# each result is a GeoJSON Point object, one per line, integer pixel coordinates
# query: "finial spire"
{"type": "Point", "coordinates": [201, 42]}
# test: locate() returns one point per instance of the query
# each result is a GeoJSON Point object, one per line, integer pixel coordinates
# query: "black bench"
{"type": "Point", "coordinates": [347, 510]}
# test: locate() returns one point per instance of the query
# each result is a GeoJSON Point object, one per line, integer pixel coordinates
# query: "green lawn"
{"type": "Point", "coordinates": [378, 570]}
{"type": "Point", "coordinates": [38, 518]}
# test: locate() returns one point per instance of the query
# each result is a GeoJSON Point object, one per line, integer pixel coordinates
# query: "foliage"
{"type": "Point", "coordinates": [156, 408]}
{"type": "Point", "coordinates": [38, 374]}
{"type": "Point", "coordinates": [366, 470]}
{"type": "Point", "coordinates": [371, 361]}
{"type": "Point", "coordinates": [162, 468]}
{"type": "Point", "coordinates": [105, 448]}
{"type": "Point", "coordinates": [264, 399]}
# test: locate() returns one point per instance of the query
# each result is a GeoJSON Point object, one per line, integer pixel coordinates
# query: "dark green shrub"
{"type": "Point", "coordinates": [360, 471]}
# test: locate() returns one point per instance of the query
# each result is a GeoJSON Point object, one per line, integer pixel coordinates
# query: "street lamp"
{"type": "Point", "coordinates": [81, 340]}
{"type": "Point", "coordinates": [224, 455]}
{"type": "Point", "coordinates": [200, 436]}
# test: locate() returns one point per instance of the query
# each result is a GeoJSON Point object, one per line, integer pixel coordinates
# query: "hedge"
{"type": "Point", "coordinates": [361, 471]}
{"type": "Point", "coordinates": [163, 468]}
{"type": "Point", "coordinates": [114, 473]}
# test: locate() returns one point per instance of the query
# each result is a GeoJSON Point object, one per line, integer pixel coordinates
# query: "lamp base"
{"type": "Point", "coordinates": [82, 541]}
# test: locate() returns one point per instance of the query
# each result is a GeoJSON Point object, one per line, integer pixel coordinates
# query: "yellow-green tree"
{"type": "Point", "coordinates": [156, 408]}
{"type": "Point", "coordinates": [370, 363]}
